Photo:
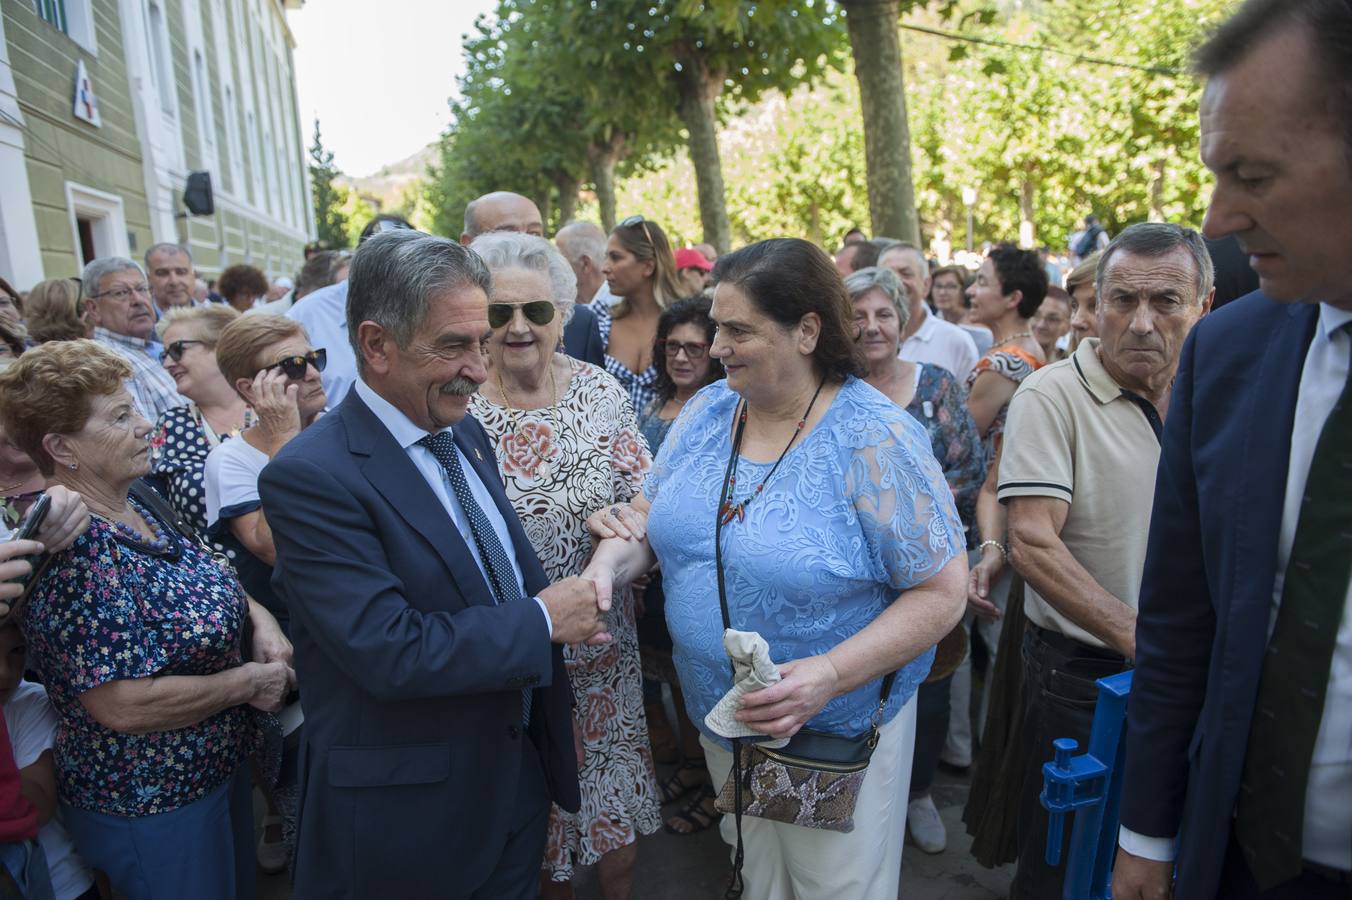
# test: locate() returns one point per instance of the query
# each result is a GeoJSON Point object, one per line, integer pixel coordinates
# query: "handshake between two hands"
{"type": "Point", "coordinates": [578, 605]}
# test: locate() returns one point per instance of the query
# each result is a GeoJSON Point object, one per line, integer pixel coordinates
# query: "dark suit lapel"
{"type": "Point", "coordinates": [1267, 450]}
{"type": "Point", "coordinates": [480, 455]}
{"type": "Point", "coordinates": [387, 466]}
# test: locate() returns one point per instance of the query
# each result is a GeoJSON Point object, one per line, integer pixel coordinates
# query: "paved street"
{"type": "Point", "coordinates": [696, 867]}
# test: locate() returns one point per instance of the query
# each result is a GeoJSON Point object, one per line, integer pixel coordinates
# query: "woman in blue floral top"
{"type": "Point", "coordinates": [840, 546]}
{"type": "Point", "coordinates": [136, 630]}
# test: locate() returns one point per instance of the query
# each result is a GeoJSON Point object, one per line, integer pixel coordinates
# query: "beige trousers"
{"type": "Point", "coordinates": [790, 862]}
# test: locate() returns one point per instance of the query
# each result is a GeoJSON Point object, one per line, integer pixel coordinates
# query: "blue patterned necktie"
{"type": "Point", "coordinates": [498, 565]}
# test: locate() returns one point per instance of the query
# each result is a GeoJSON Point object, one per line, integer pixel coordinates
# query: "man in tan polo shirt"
{"type": "Point", "coordinates": [1078, 472]}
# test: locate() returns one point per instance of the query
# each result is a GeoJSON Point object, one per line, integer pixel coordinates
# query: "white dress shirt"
{"type": "Point", "coordinates": [1327, 836]}
{"type": "Point", "coordinates": [324, 315]}
{"type": "Point", "coordinates": [407, 435]}
{"type": "Point", "coordinates": [942, 344]}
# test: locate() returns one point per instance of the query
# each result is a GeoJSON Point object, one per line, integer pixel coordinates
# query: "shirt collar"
{"type": "Point", "coordinates": [1331, 318]}
{"type": "Point", "coordinates": [400, 426]}
{"type": "Point", "coordinates": [1091, 373]}
{"type": "Point", "coordinates": [927, 326]}
{"type": "Point", "coordinates": [112, 337]}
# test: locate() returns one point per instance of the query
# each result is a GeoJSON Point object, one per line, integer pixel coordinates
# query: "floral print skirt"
{"type": "Point", "coordinates": [619, 785]}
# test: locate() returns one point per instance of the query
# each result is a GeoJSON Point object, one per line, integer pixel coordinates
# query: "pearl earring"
{"type": "Point", "coordinates": [74, 466]}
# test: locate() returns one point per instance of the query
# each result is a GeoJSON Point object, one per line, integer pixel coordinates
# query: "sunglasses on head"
{"type": "Point", "coordinates": [539, 312]}
{"type": "Point", "coordinates": [294, 366]}
{"type": "Point", "coordinates": [174, 351]}
{"type": "Point", "coordinates": [639, 220]}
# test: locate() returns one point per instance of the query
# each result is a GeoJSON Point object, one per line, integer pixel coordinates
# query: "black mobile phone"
{"type": "Point", "coordinates": [33, 520]}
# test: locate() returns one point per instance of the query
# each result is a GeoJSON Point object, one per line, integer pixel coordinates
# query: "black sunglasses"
{"type": "Point", "coordinates": [541, 312]}
{"type": "Point", "coordinates": [639, 220]}
{"type": "Point", "coordinates": [174, 351]}
{"type": "Point", "coordinates": [294, 366]}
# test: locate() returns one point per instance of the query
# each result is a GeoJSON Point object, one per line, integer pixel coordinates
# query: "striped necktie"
{"type": "Point", "coordinates": [498, 566]}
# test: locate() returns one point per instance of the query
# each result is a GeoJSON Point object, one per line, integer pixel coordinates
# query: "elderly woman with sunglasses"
{"type": "Point", "coordinates": [268, 361]}
{"type": "Point", "coordinates": [567, 445]}
{"type": "Point", "coordinates": [640, 270]}
{"type": "Point", "coordinates": [184, 435]}
{"type": "Point", "coordinates": [137, 633]}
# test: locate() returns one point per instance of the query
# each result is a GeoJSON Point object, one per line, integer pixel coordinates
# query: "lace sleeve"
{"type": "Point", "coordinates": [905, 508]}
{"type": "Point", "coordinates": [693, 418]}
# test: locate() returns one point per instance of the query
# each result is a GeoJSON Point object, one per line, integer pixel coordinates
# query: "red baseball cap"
{"type": "Point", "coordinates": [690, 258]}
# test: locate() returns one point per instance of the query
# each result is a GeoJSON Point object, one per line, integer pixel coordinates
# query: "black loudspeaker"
{"type": "Point", "coordinates": [197, 196]}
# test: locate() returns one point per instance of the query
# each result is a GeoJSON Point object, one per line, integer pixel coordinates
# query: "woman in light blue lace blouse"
{"type": "Point", "coordinates": [841, 547]}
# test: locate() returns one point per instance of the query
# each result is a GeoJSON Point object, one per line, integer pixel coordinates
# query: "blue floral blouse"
{"type": "Point", "coordinates": [858, 512]}
{"type": "Point", "coordinates": [107, 609]}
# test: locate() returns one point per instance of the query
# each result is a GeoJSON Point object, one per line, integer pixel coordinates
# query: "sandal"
{"type": "Point", "coordinates": [676, 787]}
{"type": "Point", "coordinates": [694, 814]}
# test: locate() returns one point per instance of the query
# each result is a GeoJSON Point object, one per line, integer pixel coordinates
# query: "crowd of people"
{"type": "Point", "coordinates": [415, 548]}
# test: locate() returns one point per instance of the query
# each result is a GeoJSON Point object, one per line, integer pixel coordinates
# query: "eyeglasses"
{"type": "Point", "coordinates": [540, 312]}
{"type": "Point", "coordinates": [124, 293]}
{"type": "Point", "coordinates": [174, 351]}
{"type": "Point", "coordinates": [639, 220]}
{"type": "Point", "coordinates": [294, 366]}
{"type": "Point", "coordinates": [693, 350]}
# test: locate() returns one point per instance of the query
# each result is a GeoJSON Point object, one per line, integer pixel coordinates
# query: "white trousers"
{"type": "Point", "coordinates": [791, 862]}
{"type": "Point", "coordinates": [958, 744]}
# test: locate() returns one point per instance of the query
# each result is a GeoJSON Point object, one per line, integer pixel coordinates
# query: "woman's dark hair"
{"type": "Point", "coordinates": [787, 278]}
{"type": "Point", "coordinates": [1021, 270]}
{"type": "Point", "coordinates": [688, 311]}
{"type": "Point", "coordinates": [958, 272]}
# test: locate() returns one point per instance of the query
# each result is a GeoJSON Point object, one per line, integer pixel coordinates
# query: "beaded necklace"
{"type": "Point", "coordinates": [158, 544]}
{"type": "Point", "coordinates": [728, 511]}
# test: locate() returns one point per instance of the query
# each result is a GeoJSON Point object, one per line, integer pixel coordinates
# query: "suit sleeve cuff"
{"type": "Point", "coordinates": [1155, 848]}
{"type": "Point", "coordinates": [549, 623]}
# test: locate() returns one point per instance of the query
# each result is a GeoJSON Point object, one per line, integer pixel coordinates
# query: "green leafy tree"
{"type": "Point", "coordinates": [330, 222]}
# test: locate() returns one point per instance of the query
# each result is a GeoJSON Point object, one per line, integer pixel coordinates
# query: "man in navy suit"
{"type": "Point", "coordinates": [1239, 735]}
{"type": "Point", "coordinates": [438, 723]}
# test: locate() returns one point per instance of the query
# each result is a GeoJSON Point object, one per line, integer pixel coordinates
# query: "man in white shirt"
{"type": "Point", "coordinates": [927, 338]}
{"type": "Point", "coordinates": [1239, 734]}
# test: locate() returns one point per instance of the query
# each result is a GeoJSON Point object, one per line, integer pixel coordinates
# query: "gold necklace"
{"type": "Point", "coordinates": [6, 488]}
{"type": "Point", "coordinates": [1012, 337]}
{"type": "Point", "coordinates": [543, 467]}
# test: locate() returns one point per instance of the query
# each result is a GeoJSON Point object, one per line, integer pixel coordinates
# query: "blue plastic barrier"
{"type": "Point", "coordinates": [1090, 786]}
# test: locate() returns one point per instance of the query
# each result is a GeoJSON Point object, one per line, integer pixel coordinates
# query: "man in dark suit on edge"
{"type": "Point", "coordinates": [1239, 733]}
{"type": "Point", "coordinates": [438, 723]}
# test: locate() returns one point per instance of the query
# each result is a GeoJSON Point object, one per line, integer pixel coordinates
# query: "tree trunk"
{"type": "Point", "coordinates": [1027, 230]}
{"type": "Point", "coordinates": [602, 157]}
{"type": "Point", "coordinates": [876, 47]}
{"type": "Point", "coordinates": [698, 87]}
{"type": "Point", "coordinates": [1157, 191]}
{"type": "Point", "coordinates": [568, 185]}
{"type": "Point", "coordinates": [544, 202]}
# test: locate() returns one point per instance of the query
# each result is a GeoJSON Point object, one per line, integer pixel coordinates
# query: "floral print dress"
{"type": "Point", "coordinates": [109, 608]}
{"type": "Point", "coordinates": [561, 464]}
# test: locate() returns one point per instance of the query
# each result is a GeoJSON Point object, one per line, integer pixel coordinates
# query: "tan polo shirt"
{"type": "Point", "coordinates": [1074, 434]}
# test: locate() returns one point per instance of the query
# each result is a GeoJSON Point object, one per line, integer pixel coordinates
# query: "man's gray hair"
{"type": "Point", "coordinates": [105, 265]}
{"type": "Point", "coordinates": [166, 245]}
{"type": "Point", "coordinates": [1155, 239]}
{"type": "Point", "coordinates": [578, 239]}
{"type": "Point", "coordinates": [892, 245]}
{"type": "Point", "coordinates": [510, 250]}
{"type": "Point", "coordinates": [472, 218]}
{"type": "Point", "coordinates": [393, 277]}
{"type": "Point", "coordinates": [879, 278]}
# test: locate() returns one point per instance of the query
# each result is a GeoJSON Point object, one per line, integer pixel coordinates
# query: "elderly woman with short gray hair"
{"type": "Point", "coordinates": [932, 395]}
{"type": "Point", "coordinates": [568, 444]}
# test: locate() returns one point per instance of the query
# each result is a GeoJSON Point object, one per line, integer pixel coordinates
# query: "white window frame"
{"type": "Point", "coordinates": [206, 109]}
{"type": "Point", "coordinates": [161, 59]}
{"type": "Point", "coordinates": [78, 25]}
{"type": "Point", "coordinates": [109, 221]}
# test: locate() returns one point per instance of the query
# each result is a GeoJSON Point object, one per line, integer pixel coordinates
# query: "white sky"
{"type": "Point", "coordinates": [378, 73]}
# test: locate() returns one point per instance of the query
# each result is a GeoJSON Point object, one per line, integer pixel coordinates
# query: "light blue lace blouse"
{"type": "Point", "coordinates": [858, 512]}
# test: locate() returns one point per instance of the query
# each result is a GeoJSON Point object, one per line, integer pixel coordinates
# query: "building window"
{"type": "Point", "coordinates": [98, 226]}
{"type": "Point", "coordinates": [202, 95]}
{"type": "Point", "coordinates": [163, 76]}
{"type": "Point", "coordinates": [232, 140]}
{"type": "Point", "coordinates": [54, 12]}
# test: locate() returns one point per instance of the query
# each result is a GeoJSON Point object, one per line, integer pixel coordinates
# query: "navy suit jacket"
{"type": "Point", "coordinates": [1206, 597]}
{"type": "Point", "coordinates": [410, 674]}
{"type": "Point", "coordinates": [582, 337]}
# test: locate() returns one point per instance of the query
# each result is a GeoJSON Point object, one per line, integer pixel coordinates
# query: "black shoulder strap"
{"type": "Point", "coordinates": [151, 498]}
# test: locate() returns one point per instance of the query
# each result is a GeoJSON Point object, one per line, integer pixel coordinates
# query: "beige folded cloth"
{"type": "Point", "coordinates": [752, 669]}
